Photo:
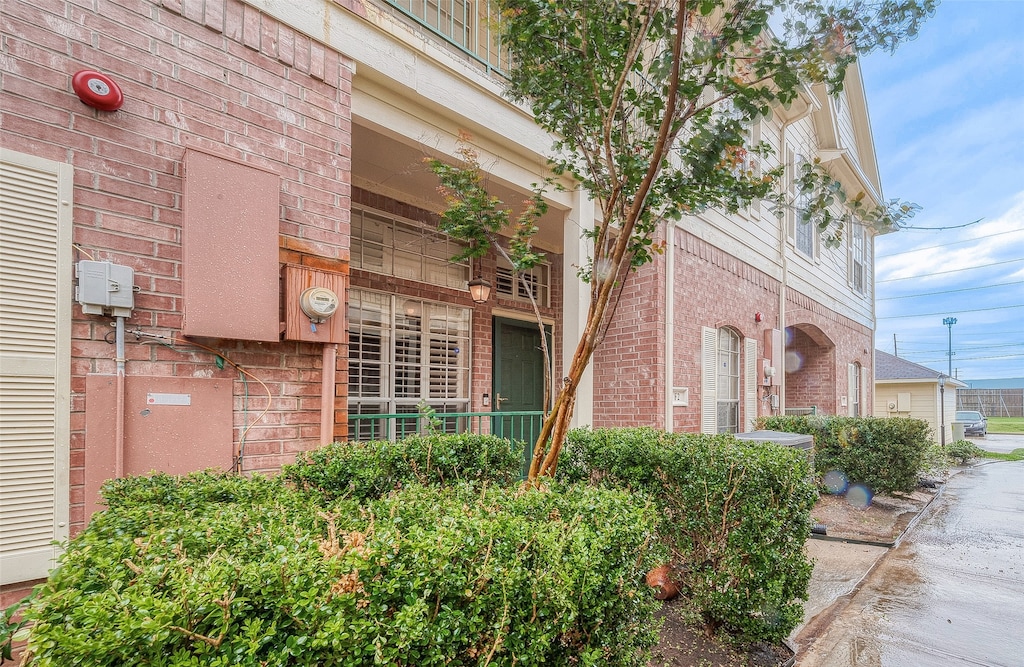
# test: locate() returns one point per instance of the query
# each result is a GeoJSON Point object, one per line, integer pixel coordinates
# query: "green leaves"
{"type": "Point", "coordinates": [219, 570]}
{"type": "Point", "coordinates": [886, 455]}
{"type": "Point", "coordinates": [735, 515]}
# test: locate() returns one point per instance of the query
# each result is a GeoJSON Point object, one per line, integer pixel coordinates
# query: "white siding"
{"type": "Point", "coordinates": [35, 296]}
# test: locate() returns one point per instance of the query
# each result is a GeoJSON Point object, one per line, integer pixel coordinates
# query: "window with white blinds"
{"type": "Point", "coordinates": [804, 235]}
{"type": "Point", "coordinates": [537, 280]}
{"type": "Point", "coordinates": [35, 350]}
{"type": "Point", "coordinates": [725, 401]}
{"type": "Point", "coordinates": [859, 270]}
{"type": "Point", "coordinates": [383, 244]}
{"type": "Point", "coordinates": [403, 351]}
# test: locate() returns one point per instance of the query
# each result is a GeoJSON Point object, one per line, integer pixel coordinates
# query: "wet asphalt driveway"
{"type": "Point", "coordinates": [952, 592]}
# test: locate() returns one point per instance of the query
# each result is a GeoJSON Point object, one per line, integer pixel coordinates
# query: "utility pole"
{"type": "Point", "coordinates": [894, 352]}
{"type": "Point", "coordinates": [949, 322]}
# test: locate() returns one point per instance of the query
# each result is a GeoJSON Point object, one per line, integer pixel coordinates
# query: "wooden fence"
{"type": "Point", "coordinates": [992, 402]}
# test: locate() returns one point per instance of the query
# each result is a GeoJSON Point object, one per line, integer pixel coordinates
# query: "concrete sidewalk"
{"type": "Point", "coordinates": [845, 573]}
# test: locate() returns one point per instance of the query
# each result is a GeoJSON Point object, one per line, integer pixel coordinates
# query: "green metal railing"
{"type": "Point", "coordinates": [520, 426]}
{"type": "Point", "coordinates": [469, 25]}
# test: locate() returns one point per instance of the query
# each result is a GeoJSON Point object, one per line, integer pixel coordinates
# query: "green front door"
{"type": "Point", "coordinates": [518, 381]}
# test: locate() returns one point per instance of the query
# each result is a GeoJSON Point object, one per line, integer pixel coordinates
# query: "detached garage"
{"type": "Point", "coordinates": [906, 389]}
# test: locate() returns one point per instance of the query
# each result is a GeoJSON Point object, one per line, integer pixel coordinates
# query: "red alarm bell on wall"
{"type": "Point", "coordinates": [97, 90]}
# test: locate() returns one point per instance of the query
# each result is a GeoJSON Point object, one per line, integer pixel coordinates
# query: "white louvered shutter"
{"type": "Point", "coordinates": [35, 324]}
{"type": "Point", "coordinates": [709, 380]}
{"type": "Point", "coordinates": [749, 384]}
{"type": "Point", "coordinates": [852, 390]}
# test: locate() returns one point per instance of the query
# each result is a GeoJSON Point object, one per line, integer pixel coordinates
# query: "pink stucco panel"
{"type": "Point", "coordinates": [173, 425]}
{"type": "Point", "coordinates": [230, 276]}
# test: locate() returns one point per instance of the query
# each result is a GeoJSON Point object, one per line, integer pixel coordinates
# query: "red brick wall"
{"type": "Point", "coordinates": [629, 365]}
{"type": "Point", "coordinates": [714, 289]}
{"type": "Point", "coordinates": [826, 342]}
{"type": "Point", "coordinates": [216, 75]}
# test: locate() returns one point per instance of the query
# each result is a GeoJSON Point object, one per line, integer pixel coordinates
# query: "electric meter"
{"type": "Point", "coordinates": [318, 303]}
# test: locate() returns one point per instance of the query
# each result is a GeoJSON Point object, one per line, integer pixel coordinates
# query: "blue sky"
{"type": "Point", "coordinates": [947, 113]}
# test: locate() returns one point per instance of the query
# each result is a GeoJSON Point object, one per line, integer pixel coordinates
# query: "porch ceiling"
{"type": "Point", "coordinates": [391, 167]}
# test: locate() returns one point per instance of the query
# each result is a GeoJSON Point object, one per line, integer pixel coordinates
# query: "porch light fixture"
{"type": "Point", "coordinates": [479, 290]}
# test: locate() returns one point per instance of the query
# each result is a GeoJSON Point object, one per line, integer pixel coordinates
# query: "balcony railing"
{"type": "Point", "coordinates": [469, 25]}
{"type": "Point", "coordinates": [519, 426]}
{"type": "Point", "coordinates": [522, 427]}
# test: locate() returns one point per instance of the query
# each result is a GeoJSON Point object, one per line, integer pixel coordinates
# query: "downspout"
{"type": "Point", "coordinates": [670, 292]}
{"type": "Point", "coordinates": [780, 373]}
{"type": "Point", "coordinates": [328, 380]}
{"type": "Point", "coordinates": [119, 401]}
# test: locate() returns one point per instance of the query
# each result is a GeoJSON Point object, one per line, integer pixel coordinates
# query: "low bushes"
{"type": "Point", "coordinates": [962, 451]}
{"type": "Point", "coordinates": [735, 513]}
{"type": "Point", "coordinates": [211, 570]}
{"type": "Point", "coordinates": [348, 558]}
{"type": "Point", "coordinates": [368, 470]}
{"type": "Point", "coordinates": [886, 455]}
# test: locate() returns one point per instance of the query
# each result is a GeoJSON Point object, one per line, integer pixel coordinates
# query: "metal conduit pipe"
{"type": "Point", "coordinates": [119, 409]}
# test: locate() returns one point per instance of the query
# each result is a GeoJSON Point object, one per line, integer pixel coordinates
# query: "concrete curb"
{"type": "Point", "coordinates": [816, 626]}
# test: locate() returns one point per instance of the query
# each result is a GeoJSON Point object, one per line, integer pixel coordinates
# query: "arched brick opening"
{"type": "Point", "coordinates": [810, 370]}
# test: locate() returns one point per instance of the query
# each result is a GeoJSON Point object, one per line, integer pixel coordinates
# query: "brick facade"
{"type": "Point", "coordinates": [715, 289]}
{"type": "Point", "coordinates": [219, 76]}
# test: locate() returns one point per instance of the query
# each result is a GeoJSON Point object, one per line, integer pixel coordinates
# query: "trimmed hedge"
{"type": "Point", "coordinates": [884, 454]}
{"type": "Point", "coordinates": [368, 470]}
{"type": "Point", "coordinates": [736, 514]}
{"type": "Point", "coordinates": [217, 570]}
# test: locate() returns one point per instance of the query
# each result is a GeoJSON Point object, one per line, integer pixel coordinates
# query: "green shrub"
{"type": "Point", "coordinates": [736, 514]}
{"type": "Point", "coordinates": [936, 461]}
{"type": "Point", "coordinates": [369, 470]}
{"type": "Point", "coordinates": [885, 454]}
{"type": "Point", "coordinates": [218, 570]}
{"type": "Point", "coordinates": [962, 451]}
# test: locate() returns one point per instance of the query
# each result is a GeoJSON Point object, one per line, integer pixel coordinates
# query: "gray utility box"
{"type": "Point", "coordinates": [798, 440]}
{"type": "Point", "coordinates": [958, 430]}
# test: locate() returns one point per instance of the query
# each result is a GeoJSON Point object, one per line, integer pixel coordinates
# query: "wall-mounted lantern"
{"type": "Point", "coordinates": [479, 290]}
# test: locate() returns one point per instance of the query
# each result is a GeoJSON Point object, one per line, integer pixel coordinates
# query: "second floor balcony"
{"type": "Point", "coordinates": [471, 26]}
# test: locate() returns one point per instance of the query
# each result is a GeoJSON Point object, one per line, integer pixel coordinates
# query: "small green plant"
{"type": "Point", "coordinates": [366, 471]}
{"type": "Point", "coordinates": [10, 627]}
{"type": "Point", "coordinates": [429, 415]}
{"type": "Point", "coordinates": [963, 451]}
{"type": "Point", "coordinates": [936, 461]}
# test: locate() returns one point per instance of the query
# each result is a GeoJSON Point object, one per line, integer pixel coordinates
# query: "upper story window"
{"type": "Point", "coordinates": [859, 270]}
{"type": "Point", "coordinates": [536, 279]}
{"type": "Point", "coordinates": [471, 25]}
{"type": "Point", "coordinates": [804, 235]}
{"type": "Point", "coordinates": [383, 244]}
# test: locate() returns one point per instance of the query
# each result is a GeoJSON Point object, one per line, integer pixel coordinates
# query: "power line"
{"type": "Point", "coordinates": [962, 333]}
{"type": "Point", "coordinates": [939, 273]}
{"type": "Point", "coordinates": [969, 348]}
{"type": "Point", "coordinates": [950, 291]}
{"type": "Point", "coordinates": [966, 224]}
{"type": "Point", "coordinates": [946, 245]}
{"type": "Point", "coordinates": [944, 359]}
{"type": "Point", "coordinates": [953, 312]}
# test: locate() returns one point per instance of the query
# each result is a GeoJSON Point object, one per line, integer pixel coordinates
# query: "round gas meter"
{"type": "Point", "coordinates": [318, 303]}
